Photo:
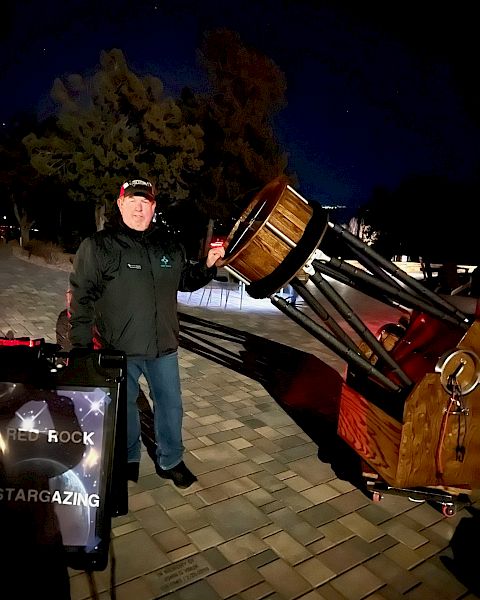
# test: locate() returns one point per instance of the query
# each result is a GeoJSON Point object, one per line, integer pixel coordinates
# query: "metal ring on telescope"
{"type": "Point", "coordinates": [461, 367]}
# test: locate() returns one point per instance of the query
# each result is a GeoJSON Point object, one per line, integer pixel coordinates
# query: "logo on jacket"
{"type": "Point", "coordinates": [133, 266]}
{"type": "Point", "coordinates": [165, 263]}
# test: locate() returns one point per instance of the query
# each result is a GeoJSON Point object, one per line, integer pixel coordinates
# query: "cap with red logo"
{"type": "Point", "coordinates": [138, 187]}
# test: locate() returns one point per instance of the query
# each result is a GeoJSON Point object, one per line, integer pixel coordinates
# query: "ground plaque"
{"type": "Point", "coordinates": [182, 573]}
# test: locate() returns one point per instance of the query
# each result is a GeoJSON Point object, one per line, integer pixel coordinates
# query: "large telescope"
{"type": "Point", "coordinates": [410, 405]}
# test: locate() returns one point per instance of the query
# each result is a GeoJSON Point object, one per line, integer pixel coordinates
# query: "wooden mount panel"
{"type": "Point", "coordinates": [471, 339]}
{"type": "Point", "coordinates": [373, 434]}
{"type": "Point", "coordinates": [415, 453]}
{"type": "Point", "coordinates": [423, 449]}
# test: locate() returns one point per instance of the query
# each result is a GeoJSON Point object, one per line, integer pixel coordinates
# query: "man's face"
{"type": "Point", "coordinates": [137, 212]}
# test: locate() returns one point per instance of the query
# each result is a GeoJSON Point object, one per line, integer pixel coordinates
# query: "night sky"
{"type": "Point", "coordinates": [374, 94]}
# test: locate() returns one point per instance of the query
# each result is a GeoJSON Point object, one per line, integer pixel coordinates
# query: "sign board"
{"type": "Point", "coordinates": [59, 446]}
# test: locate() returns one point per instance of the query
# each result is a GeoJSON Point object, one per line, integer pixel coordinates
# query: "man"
{"type": "Point", "coordinates": [124, 285]}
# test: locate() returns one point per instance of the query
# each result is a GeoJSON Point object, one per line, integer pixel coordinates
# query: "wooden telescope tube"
{"type": "Point", "coordinates": [273, 238]}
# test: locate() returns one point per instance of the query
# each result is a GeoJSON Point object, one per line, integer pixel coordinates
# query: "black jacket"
{"type": "Point", "coordinates": [125, 284]}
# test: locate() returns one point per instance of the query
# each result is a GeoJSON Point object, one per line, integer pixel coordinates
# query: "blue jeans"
{"type": "Point", "coordinates": [163, 380]}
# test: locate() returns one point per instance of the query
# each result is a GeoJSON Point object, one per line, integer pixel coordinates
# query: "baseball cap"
{"type": "Point", "coordinates": [137, 187]}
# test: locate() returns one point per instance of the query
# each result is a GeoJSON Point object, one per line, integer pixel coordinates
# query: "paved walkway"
{"type": "Point", "coordinates": [271, 515]}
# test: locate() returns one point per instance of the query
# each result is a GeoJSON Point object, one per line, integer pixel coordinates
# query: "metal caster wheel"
{"type": "Point", "coordinates": [448, 510]}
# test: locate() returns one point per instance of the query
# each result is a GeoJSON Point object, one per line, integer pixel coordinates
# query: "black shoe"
{"type": "Point", "coordinates": [132, 471]}
{"type": "Point", "coordinates": [181, 476]}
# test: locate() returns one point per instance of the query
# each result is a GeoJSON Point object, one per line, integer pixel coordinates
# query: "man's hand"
{"type": "Point", "coordinates": [214, 255]}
